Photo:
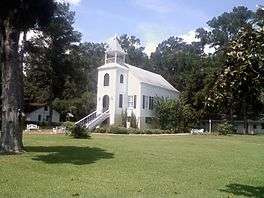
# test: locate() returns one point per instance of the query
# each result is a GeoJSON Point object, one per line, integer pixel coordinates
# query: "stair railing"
{"type": "Point", "coordinates": [86, 119]}
{"type": "Point", "coordinates": [98, 120]}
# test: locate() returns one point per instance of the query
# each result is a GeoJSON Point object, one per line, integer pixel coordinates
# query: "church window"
{"type": "Point", "coordinates": [106, 80]}
{"type": "Point", "coordinates": [130, 102]}
{"type": "Point", "coordinates": [145, 102]}
{"type": "Point", "coordinates": [121, 78]}
{"type": "Point", "coordinates": [151, 103]}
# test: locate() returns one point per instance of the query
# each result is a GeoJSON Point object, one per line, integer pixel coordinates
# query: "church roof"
{"type": "Point", "coordinates": [113, 45]}
{"type": "Point", "coordinates": [150, 78]}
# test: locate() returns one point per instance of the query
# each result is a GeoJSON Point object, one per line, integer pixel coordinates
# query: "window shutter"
{"type": "Point", "coordinates": [120, 100]}
{"type": "Point", "coordinates": [135, 101]}
{"type": "Point", "coordinates": [143, 102]}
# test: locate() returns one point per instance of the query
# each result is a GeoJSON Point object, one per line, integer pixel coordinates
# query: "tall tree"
{"type": "Point", "coordinates": [85, 59]}
{"type": "Point", "coordinates": [225, 27]}
{"type": "Point", "coordinates": [173, 58]}
{"type": "Point", "coordinates": [135, 52]}
{"type": "Point", "coordinates": [240, 83]}
{"type": "Point", "coordinates": [16, 16]}
{"type": "Point", "coordinates": [47, 66]}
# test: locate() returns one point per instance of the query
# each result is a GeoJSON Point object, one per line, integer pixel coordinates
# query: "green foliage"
{"type": "Point", "coordinates": [226, 26]}
{"type": "Point", "coordinates": [174, 114]}
{"type": "Point", "coordinates": [69, 126]}
{"type": "Point", "coordinates": [80, 132]}
{"type": "Point", "coordinates": [101, 130]}
{"type": "Point", "coordinates": [135, 52]}
{"type": "Point", "coordinates": [118, 130]}
{"type": "Point", "coordinates": [79, 107]}
{"type": "Point", "coordinates": [75, 130]}
{"type": "Point", "coordinates": [225, 128]}
{"type": "Point", "coordinates": [47, 65]}
{"type": "Point", "coordinates": [240, 82]}
{"type": "Point", "coordinates": [30, 14]}
{"type": "Point", "coordinates": [122, 130]}
{"type": "Point", "coordinates": [133, 121]}
{"type": "Point", "coordinates": [124, 118]}
{"type": "Point", "coordinates": [173, 58]}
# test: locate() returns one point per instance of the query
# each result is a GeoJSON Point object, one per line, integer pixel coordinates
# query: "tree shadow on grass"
{"type": "Point", "coordinates": [244, 190]}
{"type": "Point", "coordinates": [69, 154]}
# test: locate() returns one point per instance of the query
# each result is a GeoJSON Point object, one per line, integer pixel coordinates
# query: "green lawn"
{"type": "Point", "coordinates": [135, 166]}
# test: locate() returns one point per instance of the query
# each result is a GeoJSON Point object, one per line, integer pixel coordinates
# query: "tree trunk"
{"type": "Point", "coordinates": [12, 93]}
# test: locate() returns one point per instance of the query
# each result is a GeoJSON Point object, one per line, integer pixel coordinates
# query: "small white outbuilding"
{"type": "Point", "coordinates": [122, 87]}
{"type": "Point", "coordinates": [41, 115]}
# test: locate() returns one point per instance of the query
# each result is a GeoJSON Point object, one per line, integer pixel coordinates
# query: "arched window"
{"type": "Point", "coordinates": [121, 78]}
{"type": "Point", "coordinates": [106, 79]}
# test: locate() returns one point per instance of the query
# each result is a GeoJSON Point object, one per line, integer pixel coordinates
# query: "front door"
{"type": "Point", "coordinates": [105, 103]}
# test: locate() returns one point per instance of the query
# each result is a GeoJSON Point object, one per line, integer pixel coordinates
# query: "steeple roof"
{"type": "Point", "coordinates": [113, 45]}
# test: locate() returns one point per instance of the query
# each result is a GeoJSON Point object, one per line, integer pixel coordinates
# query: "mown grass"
{"type": "Point", "coordinates": [135, 166]}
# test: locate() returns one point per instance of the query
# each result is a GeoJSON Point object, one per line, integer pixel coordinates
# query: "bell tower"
{"type": "Point", "coordinates": [114, 52]}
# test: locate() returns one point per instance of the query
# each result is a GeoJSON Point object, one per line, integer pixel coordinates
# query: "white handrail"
{"type": "Point", "coordinates": [85, 117]}
{"type": "Point", "coordinates": [93, 119]}
{"type": "Point", "coordinates": [91, 124]}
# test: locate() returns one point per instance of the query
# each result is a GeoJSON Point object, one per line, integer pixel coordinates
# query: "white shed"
{"type": "Point", "coordinates": [41, 115]}
{"type": "Point", "coordinates": [122, 87]}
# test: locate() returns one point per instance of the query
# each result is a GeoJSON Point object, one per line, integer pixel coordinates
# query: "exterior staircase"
{"type": "Point", "coordinates": [93, 120]}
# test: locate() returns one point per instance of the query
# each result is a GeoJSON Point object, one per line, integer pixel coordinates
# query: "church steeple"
{"type": "Point", "coordinates": [114, 52]}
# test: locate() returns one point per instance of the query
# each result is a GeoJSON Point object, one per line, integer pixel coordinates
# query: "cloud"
{"type": "Point", "coordinates": [161, 6]}
{"type": "Point", "coordinates": [209, 50]}
{"type": "Point", "coordinates": [189, 37]}
{"type": "Point", "coordinates": [73, 2]}
{"type": "Point", "coordinates": [152, 34]}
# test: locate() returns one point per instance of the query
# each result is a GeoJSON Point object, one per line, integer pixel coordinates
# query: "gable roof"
{"type": "Point", "coordinates": [150, 78]}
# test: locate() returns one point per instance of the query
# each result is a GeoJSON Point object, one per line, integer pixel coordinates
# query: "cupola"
{"type": "Point", "coordinates": [114, 52]}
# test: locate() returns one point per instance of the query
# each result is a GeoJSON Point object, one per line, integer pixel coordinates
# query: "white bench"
{"type": "Point", "coordinates": [32, 127]}
{"type": "Point", "coordinates": [197, 131]}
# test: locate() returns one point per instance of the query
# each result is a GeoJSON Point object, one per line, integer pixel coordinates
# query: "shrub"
{"type": "Point", "coordinates": [69, 127]}
{"type": "Point", "coordinates": [115, 129]}
{"type": "Point", "coordinates": [80, 132]}
{"type": "Point", "coordinates": [133, 131]}
{"type": "Point", "coordinates": [133, 121]}
{"type": "Point", "coordinates": [101, 130]}
{"type": "Point", "coordinates": [174, 114]}
{"type": "Point", "coordinates": [152, 131]}
{"type": "Point", "coordinates": [76, 131]}
{"type": "Point", "coordinates": [225, 128]}
{"type": "Point", "coordinates": [124, 118]}
{"type": "Point", "coordinates": [118, 130]}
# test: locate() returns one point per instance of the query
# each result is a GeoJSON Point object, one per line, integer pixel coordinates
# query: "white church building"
{"type": "Point", "coordinates": [122, 87]}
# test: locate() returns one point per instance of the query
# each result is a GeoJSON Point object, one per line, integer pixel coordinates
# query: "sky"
{"type": "Point", "coordinates": [152, 21]}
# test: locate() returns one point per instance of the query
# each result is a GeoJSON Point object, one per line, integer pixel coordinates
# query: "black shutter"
{"type": "Point", "coordinates": [120, 100]}
{"type": "Point", "coordinates": [135, 101]}
{"type": "Point", "coordinates": [143, 102]}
